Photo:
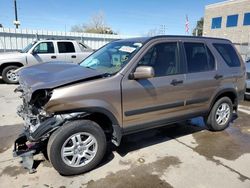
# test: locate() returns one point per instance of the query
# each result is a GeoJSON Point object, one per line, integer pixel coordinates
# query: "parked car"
{"type": "Point", "coordinates": [39, 52]}
{"type": "Point", "coordinates": [247, 94]}
{"type": "Point", "coordinates": [73, 111]}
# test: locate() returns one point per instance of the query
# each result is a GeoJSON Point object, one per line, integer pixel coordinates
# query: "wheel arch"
{"type": "Point", "coordinates": [4, 65]}
{"type": "Point", "coordinates": [105, 119]}
{"type": "Point", "coordinates": [230, 93]}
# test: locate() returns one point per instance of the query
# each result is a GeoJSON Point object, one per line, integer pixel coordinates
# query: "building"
{"type": "Point", "coordinates": [231, 20]}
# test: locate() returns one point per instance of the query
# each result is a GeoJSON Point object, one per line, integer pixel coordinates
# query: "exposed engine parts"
{"type": "Point", "coordinates": [37, 127]}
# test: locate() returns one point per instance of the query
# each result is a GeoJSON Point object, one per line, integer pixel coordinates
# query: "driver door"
{"type": "Point", "coordinates": [41, 53]}
{"type": "Point", "coordinates": [150, 102]}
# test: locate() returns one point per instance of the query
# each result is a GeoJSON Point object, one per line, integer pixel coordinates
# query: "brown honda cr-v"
{"type": "Point", "coordinates": [73, 111]}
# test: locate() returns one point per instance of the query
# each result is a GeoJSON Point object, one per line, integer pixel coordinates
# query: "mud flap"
{"type": "Point", "coordinates": [117, 135]}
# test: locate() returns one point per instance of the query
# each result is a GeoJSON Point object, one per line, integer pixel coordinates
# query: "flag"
{"type": "Point", "coordinates": [187, 25]}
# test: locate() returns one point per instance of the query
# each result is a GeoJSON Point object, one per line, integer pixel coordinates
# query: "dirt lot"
{"type": "Point", "coordinates": [182, 155]}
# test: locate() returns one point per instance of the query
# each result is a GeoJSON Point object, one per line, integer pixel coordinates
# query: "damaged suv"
{"type": "Point", "coordinates": [73, 111]}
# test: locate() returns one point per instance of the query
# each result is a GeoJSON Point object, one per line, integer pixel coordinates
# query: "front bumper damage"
{"type": "Point", "coordinates": [36, 132]}
{"type": "Point", "coordinates": [26, 151]}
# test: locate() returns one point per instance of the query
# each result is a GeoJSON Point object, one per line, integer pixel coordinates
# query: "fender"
{"type": "Point", "coordinates": [117, 129]}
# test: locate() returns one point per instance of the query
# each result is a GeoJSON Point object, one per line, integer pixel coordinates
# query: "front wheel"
{"type": "Point", "coordinates": [221, 115]}
{"type": "Point", "coordinates": [9, 75]}
{"type": "Point", "coordinates": [77, 147]}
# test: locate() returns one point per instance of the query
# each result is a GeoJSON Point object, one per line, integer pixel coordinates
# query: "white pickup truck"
{"type": "Point", "coordinates": [39, 52]}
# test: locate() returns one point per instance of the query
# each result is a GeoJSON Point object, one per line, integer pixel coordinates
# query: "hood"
{"type": "Point", "coordinates": [51, 75]}
{"type": "Point", "coordinates": [11, 55]}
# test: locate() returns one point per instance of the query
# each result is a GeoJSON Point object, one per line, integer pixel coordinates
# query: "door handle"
{"type": "Point", "coordinates": [53, 57]}
{"type": "Point", "coordinates": [176, 82]}
{"type": "Point", "coordinates": [218, 76]}
{"type": "Point", "coordinates": [73, 56]}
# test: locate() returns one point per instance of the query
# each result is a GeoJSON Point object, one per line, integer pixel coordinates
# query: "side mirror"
{"type": "Point", "coordinates": [33, 52]}
{"type": "Point", "coordinates": [143, 72]}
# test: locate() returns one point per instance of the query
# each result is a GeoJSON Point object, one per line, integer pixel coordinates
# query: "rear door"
{"type": "Point", "coordinates": [149, 102]}
{"type": "Point", "coordinates": [202, 79]}
{"type": "Point", "coordinates": [67, 50]}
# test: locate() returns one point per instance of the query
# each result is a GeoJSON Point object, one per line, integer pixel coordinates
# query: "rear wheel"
{"type": "Point", "coordinates": [77, 147]}
{"type": "Point", "coordinates": [9, 75]}
{"type": "Point", "coordinates": [221, 115]}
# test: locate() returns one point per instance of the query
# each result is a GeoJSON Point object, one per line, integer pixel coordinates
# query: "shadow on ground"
{"type": "Point", "coordinates": [8, 134]}
{"type": "Point", "coordinates": [1, 81]}
{"type": "Point", "coordinates": [229, 144]}
{"type": "Point", "coordinates": [151, 137]}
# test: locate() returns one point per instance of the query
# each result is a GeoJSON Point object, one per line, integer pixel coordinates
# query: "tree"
{"type": "Point", "coordinates": [152, 32]}
{"type": "Point", "coordinates": [77, 28]}
{"type": "Point", "coordinates": [198, 30]}
{"type": "Point", "coordinates": [96, 24]}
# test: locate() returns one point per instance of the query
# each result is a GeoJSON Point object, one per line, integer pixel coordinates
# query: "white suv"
{"type": "Point", "coordinates": [39, 52]}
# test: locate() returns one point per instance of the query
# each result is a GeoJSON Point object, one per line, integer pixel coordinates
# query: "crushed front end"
{"type": "Point", "coordinates": [38, 124]}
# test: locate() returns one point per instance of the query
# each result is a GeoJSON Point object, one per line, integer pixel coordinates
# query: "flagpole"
{"type": "Point", "coordinates": [187, 25]}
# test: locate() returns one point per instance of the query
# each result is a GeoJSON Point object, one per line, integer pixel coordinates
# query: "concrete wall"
{"type": "Point", "coordinates": [17, 39]}
{"type": "Point", "coordinates": [239, 35]}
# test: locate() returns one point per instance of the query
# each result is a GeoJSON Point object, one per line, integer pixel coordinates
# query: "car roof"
{"type": "Point", "coordinates": [179, 37]}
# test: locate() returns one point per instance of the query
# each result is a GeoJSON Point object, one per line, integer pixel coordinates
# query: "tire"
{"type": "Point", "coordinates": [70, 131]}
{"type": "Point", "coordinates": [212, 119]}
{"type": "Point", "coordinates": [7, 77]}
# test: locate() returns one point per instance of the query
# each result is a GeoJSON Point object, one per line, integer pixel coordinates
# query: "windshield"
{"type": "Point", "coordinates": [28, 47]}
{"type": "Point", "coordinates": [113, 57]}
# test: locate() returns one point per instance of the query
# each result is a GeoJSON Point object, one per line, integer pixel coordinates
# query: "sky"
{"type": "Point", "coordinates": [130, 17]}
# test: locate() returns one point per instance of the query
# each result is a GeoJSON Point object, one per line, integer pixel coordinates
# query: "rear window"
{"type": "Point", "coordinates": [66, 47]}
{"type": "Point", "coordinates": [228, 54]}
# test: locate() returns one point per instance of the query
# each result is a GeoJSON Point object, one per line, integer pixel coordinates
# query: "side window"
{"type": "Point", "coordinates": [44, 48]}
{"type": "Point", "coordinates": [228, 53]}
{"type": "Point", "coordinates": [164, 58]}
{"type": "Point", "coordinates": [232, 20]}
{"type": "Point", "coordinates": [246, 20]}
{"type": "Point", "coordinates": [199, 57]}
{"type": "Point", "coordinates": [216, 23]}
{"type": "Point", "coordinates": [66, 47]}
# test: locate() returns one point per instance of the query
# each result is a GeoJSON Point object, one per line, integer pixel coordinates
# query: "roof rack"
{"type": "Point", "coordinates": [184, 36]}
{"type": "Point", "coordinates": [59, 39]}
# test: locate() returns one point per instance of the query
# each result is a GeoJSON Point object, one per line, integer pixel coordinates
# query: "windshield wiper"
{"type": "Point", "coordinates": [107, 75]}
{"type": "Point", "coordinates": [89, 67]}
